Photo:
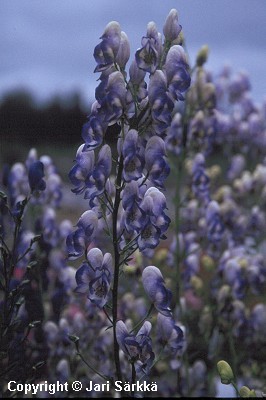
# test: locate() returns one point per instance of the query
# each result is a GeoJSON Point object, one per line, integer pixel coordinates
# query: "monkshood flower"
{"type": "Point", "coordinates": [49, 227]}
{"type": "Point", "coordinates": [102, 169]}
{"type": "Point", "coordinates": [177, 72]}
{"type": "Point", "coordinates": [106, 51]}
{"type": "Point", "coordinates": [136, 88]}
{"type": "Point", "coordinates": [31, 158]}
{"type": "Point", "coordinates": [111, 95]}
{"type": "Point", "coordinates": [200, 179]}
{"type": "Point", "coordinates": [83, 168]}
{"type": "Point", "coordinates": [169, 334]}
{"type": "Point", "coordinates": [79, 240]}
{"type": "Point", "coordinates": [147, 57]}
{"type": "Point", "coordinates": [134, 216]}
{"type": "Point", "coordinates": [53, 192]}
{"type": "Point", "coordinates": [258, 322]}
{"type": "Point", "coordinates": [201, 95]}
{"type": "Point", "coordinates": [93, 131]}
{"type": "Point", "coordinates": [158, 216]}
{"type": "Point", "coordinates": [257, 222]}
{"type": "Point", "coordinates": [201, 132]}
{"type": "Point", "coordinates": [18, 183]}
{"type": "Point", "coordinates": [155, 161]}
{"type": "Point", "coordinates": [236, 167]}
{"type": "Point", "coordinates": [133, 157]}
{"type": "Point", "coordinates": [156, 222]}
{"type": "Point", "coordinates": [198, 378]}
{"type": "Point", "coordinates": [49, 167]}
{"type": "Point", "coordinates": [215, 225]}
{"type": "Point", "coordinates": [239, 85]}
{"type": "Point", "coordinates": [154, 286]}
{"type": "Point", "coordinates": [235, 276]}
{"type": "Point", "coordinates": [36, 175]}
{"type": "Point", "coordinates": [191, 265]}
{"type": "Point", "coordinates": [161, 103]}
{"type": "Point", "coordinates": [171, 27]}
{"type": "Point", "coordinates": [94, 277]}
{"type": "Point", "coordinates": [137, 348]}
{"type": "Point", "coordinates": [174, 138]}
{"type": "Point", "coordinates": [123, 54]}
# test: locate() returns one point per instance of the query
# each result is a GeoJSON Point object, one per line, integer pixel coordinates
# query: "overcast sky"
{"type": "Point", "coordinates": [47, 46]}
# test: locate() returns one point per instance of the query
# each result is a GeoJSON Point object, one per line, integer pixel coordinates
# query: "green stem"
{"type": "Point", "coordinates": [236, 389]}
{"type": "Point", "coordinates": [133, 377]}
{"type": "Point", "coordinates": [116, 265]}
{"type": "Point", "coordinates": [143, 319]}
{"type": "Point", "coordinates": [93, 369]}
{"type": "Point", "coordinates": [232, 351]}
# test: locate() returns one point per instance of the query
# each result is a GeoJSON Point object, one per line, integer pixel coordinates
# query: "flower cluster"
{"type": "Point", "coordinates": [131, 209]}
{"type": "Point", "coordinates": [147, 296]}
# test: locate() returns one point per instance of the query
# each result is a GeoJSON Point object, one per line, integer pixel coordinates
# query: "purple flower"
{"type": "Point", "coordinates": [154, 286]}
{"type": "Point", "coordinates": [236, 167]}
{"type": "Point", "coordinates": [133, 157]}
{"type": "Point", "coordinates": [82, 170]}
{"type": "Point", "coordinates": [174, 138]}
{"type": "Point", "coordinates": [171, 27]}
{"type": "Point", "coordinates": [36, 175]}
{"type": "Point", "coordinates": [238, 86]}
{"type": "Point", "coordinates": [49, 227]}
{"type": "Point", "coordinates": [155, 161]}
{"type": "Point", "coordinates": [134, 215]}
{"type": "Point", "coordinates": [93, 131]}
{"type": "Point", "coordinates": [96, 181]}
{"type": "Point", "coordinates": [177, 72]}
{"type": "Point", "coordinates": [200, 180]}
{"type": "Point", "coordinates": [214, 222]}
{"type": "Point", "coordinates": [123, 54]}
{"type": "Point", "coordinates": [161, 103]}
{"type": "Point", "coordinates": [136, 88]}
{"type": "Point", "coordinates": [106, 51]}
{"type": "Point", "coordinates": [18, 184]}
{"type": "Point", "coordinates": [170, 334]}
{"type": "Point", "coordinates": [94, 277]}
{"type": "Point", "coordinates": [158, 216]}
{"type": "Point", "coordinates": [138, 348]}
{"type": "Point", "coordinates": [202, 132]}
{"type": "Point", "coordinates": [155, 221]}
{"type": "Point", "coordinates": [235, 276]}
{"type": "Point", "coordinates": [79, 240]}
{"type": "Point", "coordinates": [111, 95]}
{"type": "Point", "coordinates": [147, 57]}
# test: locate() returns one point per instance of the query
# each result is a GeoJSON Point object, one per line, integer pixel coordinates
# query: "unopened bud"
{"type": "Point", "coordinates": [202, 56]}
{"type": "Point", "coordinates": [123, 54]}
{"type": "Point", "coordinates": [171, 27]}
{"type": "Point", "coordinates": [130, 269]}
{"type": "Point", "coordinates": [244, 391]}
{"type": "Point", "coordinates": [225, 372]}
{"type": "Point", "coordinates": [207, 263]}
{"type": "Point", "coordinates": [161, 256]}
{"type": "Point", "coordinates": [197, 284]}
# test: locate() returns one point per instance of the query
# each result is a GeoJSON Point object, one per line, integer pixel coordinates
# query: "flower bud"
{"type": "Point", "coordinates": [202, 56]}
{"type": "Point", "coordinates": [244, 391]}
{"type": "Point", "coordinates": [123, 54]}
{"type": "Point", "coordinates": [225, 372]}
{"type": "Point", "coordinates": [197, 284]}
{"type": "Point", "coordinates": [171, 27]}
{"type": "Point", "coordinates": [207, 263]}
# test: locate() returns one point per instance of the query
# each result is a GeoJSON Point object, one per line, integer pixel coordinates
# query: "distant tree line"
{"type": "Point", "coordinates": [59, 120]}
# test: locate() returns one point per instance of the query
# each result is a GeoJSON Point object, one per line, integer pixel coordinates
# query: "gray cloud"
{"type": "Point", "coordinates": [48, 46]}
